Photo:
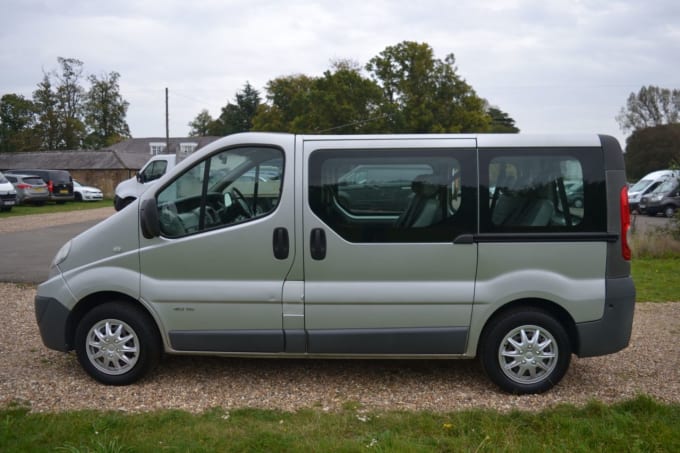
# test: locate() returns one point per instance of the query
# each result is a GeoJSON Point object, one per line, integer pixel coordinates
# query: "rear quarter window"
{"type": "Point", "coordinates": [542, 190]}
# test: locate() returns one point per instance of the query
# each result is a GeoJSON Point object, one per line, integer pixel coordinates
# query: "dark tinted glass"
{"type": "Point", "coordinates": [535, 190]}
{"type": "Point", "coordinates": [394, 196]}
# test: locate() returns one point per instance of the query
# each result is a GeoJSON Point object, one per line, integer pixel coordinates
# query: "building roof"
{"type": "Point", "coordinates": [141, 145]}
{"type": "Point", "coordinates": [130, 154]}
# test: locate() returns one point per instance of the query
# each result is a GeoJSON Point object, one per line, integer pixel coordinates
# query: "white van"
{"type": "Point", "coordinates": [130, 189]}
{"type": "Point", "coordinates": [278, 245]}
{"type": "Point", "coordinates": [8, 194]}
{"type": "Point", "coordinates": [647, 185]}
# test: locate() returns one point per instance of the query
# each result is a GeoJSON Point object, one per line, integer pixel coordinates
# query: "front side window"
{"type": "Point", "coordinates": [155, 170]}
{"type": "Point", "coordinates": [542, 191]}
{"type": "Point", "coordinates": [227, 188]}
{"type": "Point", "coordinates": [394, 196]}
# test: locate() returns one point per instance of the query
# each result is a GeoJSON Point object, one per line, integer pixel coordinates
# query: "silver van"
{"type": "Point", "coordinates": [267, 245]}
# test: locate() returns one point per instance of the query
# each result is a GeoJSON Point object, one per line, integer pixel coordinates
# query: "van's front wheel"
{"type": "Point", "coordinates": [117, 343]}
{"type": "Point", "coordinates": [525, 351]}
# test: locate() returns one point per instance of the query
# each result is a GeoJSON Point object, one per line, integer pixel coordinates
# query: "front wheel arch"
{"type": "Point", "coordinates": [117, 343]}
{"type": "Point", "coordinates": [93, 300]}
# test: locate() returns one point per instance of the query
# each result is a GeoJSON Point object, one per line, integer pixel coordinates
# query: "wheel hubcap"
{"type": "Point", "coordinates": [528, 354]}
{"type": "Point", "coordinates": [112, 346]}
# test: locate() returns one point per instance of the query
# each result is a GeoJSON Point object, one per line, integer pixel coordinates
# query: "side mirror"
{"type": "Point", "coordinates": [148, 219]}
{"type": "Point", "coordinates": [140, 178]}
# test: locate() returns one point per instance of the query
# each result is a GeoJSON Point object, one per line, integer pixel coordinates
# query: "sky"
{"type": "Point", "coordinates": [555, 66]}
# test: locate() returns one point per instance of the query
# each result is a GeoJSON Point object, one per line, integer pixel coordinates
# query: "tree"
{"type": "Point", "coordinates": [48, 127]}
{"type": "Point", "coordinates": [409, 91]}
{"type": "Point", "coordinates": [652, 148]}
{"type": "Point", "coordinates": [104, 112]}
{"type": "Point", "coordinates": [201, 125]}
{"type": "Point", "coordinates": [238, 117]}
{"type": "Point", "coordinates": [651, 106]}
{"type": "Point", "coordinates": [342, 101]}
{"type": "Point", "coordinates": [70, 103]}
{"type": "Point", "coordinates": [501, 122]}
{"type": "Point", "coordinates": [424, 94]}
{"type": "Point", "coordinates": [287, 98]}
{"type": "Point", "coordinates": [17, 122]}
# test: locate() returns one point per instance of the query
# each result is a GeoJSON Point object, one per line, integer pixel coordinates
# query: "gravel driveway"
{"type": "Point", "coordinates": [51, 381]}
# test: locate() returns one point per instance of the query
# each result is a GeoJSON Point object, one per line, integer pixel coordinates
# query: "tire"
{"type": "Point", "coordinates": [508, 351]}
{"type": "Point", "coordinates": [117, 343]}
{"type": "Point", "coordinates": [78, 196]}
{"type": "Point", "coordinates": [669, 211]}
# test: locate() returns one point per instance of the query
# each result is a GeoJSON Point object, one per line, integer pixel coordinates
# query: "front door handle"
{"type": "Point", "coordinates": [317, 244]}
{"type": "Point", "coordinates": [281, 243]}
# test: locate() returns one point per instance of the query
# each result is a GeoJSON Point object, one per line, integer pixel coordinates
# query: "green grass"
{"type": "Point", "coordinates": [53, 207]}
{"type": "Point", "coordinates": [656, 279]}
{"type": "Point", "coordinates": [639, 425]}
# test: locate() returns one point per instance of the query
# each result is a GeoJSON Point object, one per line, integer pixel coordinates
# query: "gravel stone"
{"type": "Point", "coordinates": [51, 381]}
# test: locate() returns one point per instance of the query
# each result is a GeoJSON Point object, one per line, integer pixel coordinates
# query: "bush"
{"type": "Point", "coordinates": [657, 243]}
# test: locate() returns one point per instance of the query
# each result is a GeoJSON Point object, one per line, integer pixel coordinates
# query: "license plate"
{"type": "Point", "coordinates": [643, 206]}
{"type": "Point", "coordinates": [40, 190]}
{"type": "Point", "coordinates": [64, 191]}
{"type": "Point", "coordinates": [9, 203]}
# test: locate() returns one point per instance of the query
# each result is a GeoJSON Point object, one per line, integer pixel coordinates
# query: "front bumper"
{"type": "Point", "coordinates": [92, 196]}
{"type": "Point", "coordinates": [52, 318]}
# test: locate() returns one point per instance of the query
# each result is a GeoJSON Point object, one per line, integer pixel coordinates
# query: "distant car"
{"type": "Point", "coordinates": [574, 190]}
{"type": "Point", "coordinates": [59, 182]}
{"type": "Point", "coordinates": [86, 193]}
{"type": "Point", "coordinates": [8, 194]}
{"type": "Point", "coordinates": [664, 199]}
{"type": "Point", "coordinates": [31, 189]}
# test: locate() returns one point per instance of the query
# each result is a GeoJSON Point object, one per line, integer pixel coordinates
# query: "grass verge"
{"type": "Point", "coordinates": [637, 425]}
{"type": "Point", "coordinates": [53, 207]}
{"type": "Point", "coordinates": [656, 279]}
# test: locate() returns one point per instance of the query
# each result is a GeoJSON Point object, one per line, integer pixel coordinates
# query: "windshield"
{"type": "Point", "coordinates": [641, 185]}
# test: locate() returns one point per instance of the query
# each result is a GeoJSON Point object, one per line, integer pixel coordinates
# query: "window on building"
{"type": "Point", "coordinates": [156, 148]}
{"type": "Point", "coordinates": [187, 148]}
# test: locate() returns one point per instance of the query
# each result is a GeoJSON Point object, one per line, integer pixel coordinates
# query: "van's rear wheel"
{"type": "Point", "coordinates": [525, 351]}
{"type": "Point", "coordinates": [117, 343]}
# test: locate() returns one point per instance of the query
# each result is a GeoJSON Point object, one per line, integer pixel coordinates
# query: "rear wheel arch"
{"type": "Point", "coordinates": [547, 306]}
{"type": "Point", "coordinates": [526, 347]}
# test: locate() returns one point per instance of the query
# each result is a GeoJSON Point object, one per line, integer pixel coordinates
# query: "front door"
{"type": "Point", "coordinates": [389, 261]}
{"type": "Point", "coordinates": [215, 275]}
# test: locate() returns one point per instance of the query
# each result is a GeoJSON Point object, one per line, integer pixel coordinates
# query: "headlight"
{"type": "Point", "coordinates": [62, 254]}
{"type": "Point", "coordinates": [656, 198]}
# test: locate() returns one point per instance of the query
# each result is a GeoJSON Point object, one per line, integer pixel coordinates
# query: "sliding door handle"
{"type": "Point", "coordinates": [281, 243]}
{"type": "Point", "coordinates": [317, 244]}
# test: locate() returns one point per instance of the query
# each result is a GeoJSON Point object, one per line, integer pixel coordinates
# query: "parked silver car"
{"type": "Point", "coordinates": [31, 189]}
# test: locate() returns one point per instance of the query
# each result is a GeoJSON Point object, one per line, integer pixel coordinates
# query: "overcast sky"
{"type": "Point", "coordinates": [553, 65]}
